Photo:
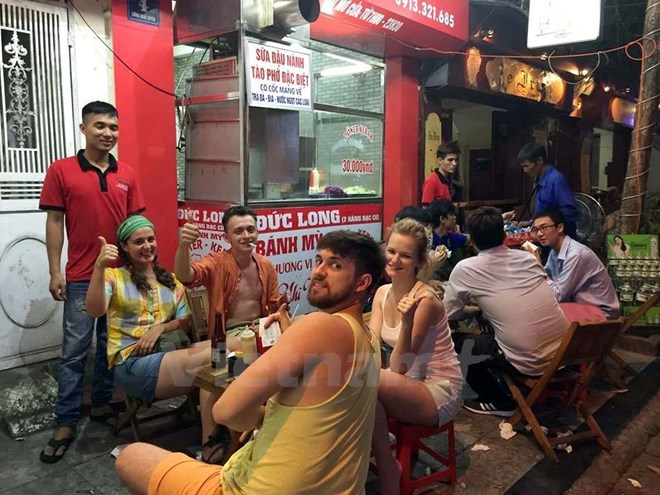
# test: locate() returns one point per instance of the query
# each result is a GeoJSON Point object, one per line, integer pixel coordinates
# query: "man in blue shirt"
{"type": "Point", "coordinates": [576, 274]}
{"type": "Point", "coordinates": [551, 186]}
{"type": "Point", "coordinates": [443, 220]}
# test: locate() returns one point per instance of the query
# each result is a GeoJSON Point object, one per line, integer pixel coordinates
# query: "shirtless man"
{"type": "Point", "coordinates": [242, 285]}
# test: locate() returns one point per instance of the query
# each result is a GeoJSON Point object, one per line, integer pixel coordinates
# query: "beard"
{"type": "Point", "coordinates": [328, 300]}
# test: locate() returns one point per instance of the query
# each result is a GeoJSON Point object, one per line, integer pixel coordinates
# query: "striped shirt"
{"type": "Point", "coordinates": [131, 312]}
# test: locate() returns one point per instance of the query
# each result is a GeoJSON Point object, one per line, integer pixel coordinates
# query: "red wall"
{"type": "Point", "coordinates": [401, 161]}
{"type": "Point", "coordinates": [146, 116]}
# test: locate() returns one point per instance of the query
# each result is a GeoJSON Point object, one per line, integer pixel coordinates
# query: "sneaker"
{"type": "Point", "coordinates": [490, 408]}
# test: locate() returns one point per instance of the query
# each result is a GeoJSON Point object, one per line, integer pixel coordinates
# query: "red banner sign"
{"type": "Point", "coordinates": [407, 20]}
{"type": "Point", "coordinates": [287, 236]}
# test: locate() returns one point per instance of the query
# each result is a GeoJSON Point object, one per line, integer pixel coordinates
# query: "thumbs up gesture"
{"type": "Point", "coordinates": [189, 231]}
{"type": "Point", "coordinates": [108, 254]}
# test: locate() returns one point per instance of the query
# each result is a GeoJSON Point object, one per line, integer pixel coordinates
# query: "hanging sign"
{"type": "Point", "coordinates": [144, 11]}
{"type": "Point", "coordinates": [551, 25]}
{"type": "Point", "coordinates": [278, 76]}
{"type": "Point", "coordinates": [517, 78]}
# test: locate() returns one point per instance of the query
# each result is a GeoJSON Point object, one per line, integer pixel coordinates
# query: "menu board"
{"type": "Point", "coordinates": [278, 76]}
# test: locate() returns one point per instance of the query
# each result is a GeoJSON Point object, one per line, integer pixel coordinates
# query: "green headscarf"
{"type": "Point", "coordinates": [130, 225]}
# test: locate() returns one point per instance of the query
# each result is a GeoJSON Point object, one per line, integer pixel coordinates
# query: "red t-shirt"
{"type": "Point", "coordinates": [434, 188]}
{"type": "Point", "coordinates": [94, 204]}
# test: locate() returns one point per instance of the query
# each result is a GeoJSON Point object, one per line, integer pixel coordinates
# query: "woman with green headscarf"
{"type": "Point", "coordinates": [143, 301]}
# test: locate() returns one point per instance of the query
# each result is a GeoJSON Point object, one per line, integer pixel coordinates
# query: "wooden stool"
{"type": "Point", "coordinates": [408, 444]}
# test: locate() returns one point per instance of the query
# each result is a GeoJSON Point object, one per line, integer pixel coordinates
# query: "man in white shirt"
{"type": "Point", "coordinates": [509, 287]}
{"type": "Point", "coordinates": [576, 274]}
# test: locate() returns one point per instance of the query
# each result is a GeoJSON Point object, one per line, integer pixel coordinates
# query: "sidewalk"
{"type": "Point", "coordinates": [633, 450]}
{"type": "Point", "coordinates": [516, 466]}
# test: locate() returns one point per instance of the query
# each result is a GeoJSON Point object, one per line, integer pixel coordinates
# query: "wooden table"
{"type": "Point", "coordinates": [212, 380]}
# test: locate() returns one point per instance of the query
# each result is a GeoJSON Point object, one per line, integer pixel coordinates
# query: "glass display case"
{"type": "Point", "coordinates": [333, 151]}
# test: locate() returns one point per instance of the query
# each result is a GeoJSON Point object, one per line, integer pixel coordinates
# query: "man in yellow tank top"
{"type": "Point", "coordinates": [319, 384]}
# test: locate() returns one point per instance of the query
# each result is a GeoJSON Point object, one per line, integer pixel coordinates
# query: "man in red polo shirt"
{"type": "Point", "coordinates": [95, 193]}
{"type": "Point", "coordinates": [439, 185]}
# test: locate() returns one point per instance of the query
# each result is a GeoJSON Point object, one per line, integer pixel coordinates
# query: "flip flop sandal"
{"type": "Point", "coordinates": [56, 445]}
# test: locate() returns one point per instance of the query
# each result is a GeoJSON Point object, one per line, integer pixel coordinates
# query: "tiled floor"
{"type": "Point", "coordinates": [88, 467]}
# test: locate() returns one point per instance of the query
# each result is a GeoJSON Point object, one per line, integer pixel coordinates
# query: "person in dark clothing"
{"type": "Point", "coordinates": [443, 222]}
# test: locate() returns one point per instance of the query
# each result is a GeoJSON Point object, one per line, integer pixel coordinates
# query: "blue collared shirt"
{"type": "Point", "coordinates": [553, 191]}
{"type": "Point", "coordinates": [577, 275]}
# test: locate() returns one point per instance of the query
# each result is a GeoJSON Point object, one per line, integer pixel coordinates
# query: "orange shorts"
{"type": "Point", "coordinates": [178, 474]}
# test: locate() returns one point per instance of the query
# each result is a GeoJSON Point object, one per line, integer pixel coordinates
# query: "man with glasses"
{"type": "Point", "coordinates": [510, 289]}
{"type": "Point", "coordinates": [550, 185]}
{"type": "Point", "coordinates": [576, 274]}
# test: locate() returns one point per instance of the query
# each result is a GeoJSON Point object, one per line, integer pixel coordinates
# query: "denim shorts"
{"type": "Point", "coordinates": [138, 376]}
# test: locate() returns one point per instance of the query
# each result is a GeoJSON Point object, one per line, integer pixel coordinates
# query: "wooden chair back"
{"type": "Point", "coordinates": [198, 300]}
{"type": "Point", "coordinates": [585, 345]}
{"type": "Point", "coordinates": [588, 342]}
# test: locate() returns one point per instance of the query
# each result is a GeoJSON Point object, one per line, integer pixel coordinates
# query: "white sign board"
{"type": "Point", "coordinates": [562, 22]}
{"type": "Point", "coordinates": [278, 76]}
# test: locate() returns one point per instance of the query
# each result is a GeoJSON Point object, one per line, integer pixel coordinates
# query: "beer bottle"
{"type": "Point", "coordinates": [219, 343]}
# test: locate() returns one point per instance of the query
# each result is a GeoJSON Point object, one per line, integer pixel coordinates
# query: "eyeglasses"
{"type": "Point", "coordinates": [543, 228]}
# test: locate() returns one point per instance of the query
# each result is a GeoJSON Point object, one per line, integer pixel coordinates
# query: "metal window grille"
{"type": "Point", "coordinates": [36, 121]}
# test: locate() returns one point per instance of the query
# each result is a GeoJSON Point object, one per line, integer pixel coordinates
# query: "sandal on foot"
{"type": "Point", "coordinates": [221, 445]}
{"type": "Point", "coordinates": [56, 445]}
{"type": "Point", "coordinates": [107, 418]}
{"type": "Point", "coordinates": [213, 450]}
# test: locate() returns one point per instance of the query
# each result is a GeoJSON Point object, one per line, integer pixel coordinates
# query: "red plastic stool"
{"type": "Point", "coordinates": [408, 444]}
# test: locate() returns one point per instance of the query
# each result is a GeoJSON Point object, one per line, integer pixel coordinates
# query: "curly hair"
{"type": "Point", "coordinates": [163, 276]}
